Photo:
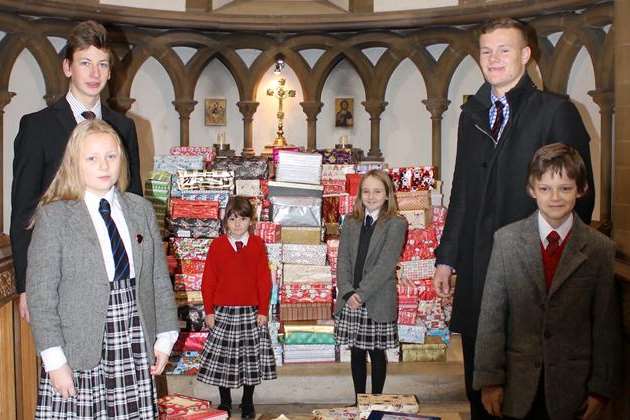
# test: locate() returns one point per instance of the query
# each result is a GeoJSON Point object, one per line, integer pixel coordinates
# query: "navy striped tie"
{"type": "Point", "coordinates": [121, 260]}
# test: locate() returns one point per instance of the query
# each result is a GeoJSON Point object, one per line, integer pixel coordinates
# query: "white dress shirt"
{"type": "Point", "coordinates": [374, 215]}
{"type": "Point", "coordinates": [78, 108]}
{"type": "Point", "coordinates": [544, 228]}
{"type": "Point", "coordinates": [243, 239]}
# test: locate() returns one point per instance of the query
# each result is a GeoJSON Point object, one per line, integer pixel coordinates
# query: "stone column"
{"type": "Point", "coordinates": [311, 109]}
{"type": "Point", "coordinates": [248, 109]}
{"type": "Point", "coordinates": [375, 108]}
{"type": "Point", "coordinates": [5, 98]}
{"type": "Point", "coordinates": [436, 106]}
{"type": "Point", "coordinates": [605, 99]}
{"type": "Point", "coordinates": [120, 103]}
{"type": "Point", "coordinates": [184, 107]}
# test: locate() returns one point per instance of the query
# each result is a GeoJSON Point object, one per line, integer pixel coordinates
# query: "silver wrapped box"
{"type": "Point", "coordinates": [296, 211]}
{"type": "Point", "coordinates": [304, 254]}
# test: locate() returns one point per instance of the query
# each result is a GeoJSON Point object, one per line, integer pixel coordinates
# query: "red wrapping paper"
{"type": "Point", "coordinates": [199, 209]}
{"type": "Point", "coordinates": [346, 203]}
{"type": "Point", "coordinates": [330, 208]}
{"type": "Point", "coordinates": [270, 232]}
{"type": "Point", "coordinates": [334, 186]}
{"type": "Point", "coordinates": [352, 183]}
{"type": "Point", "coordinates": [181, 407]}
{"type": "Point", "coordinates": [419, 178]}
{"type": "Point", "coordinates": [187, 282]}
{"type": "Point", "coordinates": [190, 341]}
{"type": "Point", "coordinates": [420, 244]}
{"type": "Point", "coordinates": [191, 266]}
{"type": "Point", "coordinates": [306, 293]}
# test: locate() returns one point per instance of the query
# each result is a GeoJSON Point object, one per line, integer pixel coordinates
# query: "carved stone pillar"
{"type": "Point", "coordinates": [248, 109]}
{"type": "Point", "coordinates": [605, 99]}
{"type": "Point", "coordinates": [184, 108]}
{"type": "Point", "coordinates": [436, 106]}
{"type": "Point", "coordinates": [5, 98]}
{"type": "Point", "coordinates": [311, 109]}
{"type": "Point", "coordinates": [375, 108]}
{"type": "Point", "coordinates": [120, 103]}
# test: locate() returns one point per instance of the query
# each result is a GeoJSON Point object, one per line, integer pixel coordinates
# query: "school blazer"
{"type": "Point", "coordinates": [378, 286]}
{"type": "Point", "coordinates": [67, 286]}
{"type": "Point", "coordinates": [572, 333]}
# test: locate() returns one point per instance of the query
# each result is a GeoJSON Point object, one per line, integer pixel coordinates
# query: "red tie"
{"type": "Point", "coordinates": [239, 245]}
{"type": "Point", "coordinates": [554, 242]}
{"type": "Point", "coordinates": [498, 120]}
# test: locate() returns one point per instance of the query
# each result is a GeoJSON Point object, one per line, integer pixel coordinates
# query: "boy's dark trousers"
{"type": "Point", "coordinates": [538, 411]}
{"type": "Point", "coordinates": [477, 411]}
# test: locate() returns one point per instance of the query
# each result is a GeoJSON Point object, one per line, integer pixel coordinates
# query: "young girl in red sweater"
{"type": "Point", "coordinates": [236, 287]}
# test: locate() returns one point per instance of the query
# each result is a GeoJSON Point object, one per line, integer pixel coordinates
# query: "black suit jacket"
{"type": "Point", "coordinates": [39, 147]}
{"type": "Point", "coordinates": [489, 183]}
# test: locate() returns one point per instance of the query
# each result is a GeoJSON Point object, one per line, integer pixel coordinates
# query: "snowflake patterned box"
{"type": "Point", "coordinates": [182, 407]}
{"type": "Point", "coordinates": [187, 282]}
{"type": "Point", "coordinates": [386, 402]}
{"type": "Point", "coordinates": [304, 254]}
{"type": "Point", "coordinates": [190, 248]}
{"type": "Point", "coordinates": [190, 341]}
{"type": "Point", "coordinates": [417, 269]}
{"type": "Point", "coordinates": [419, 178]}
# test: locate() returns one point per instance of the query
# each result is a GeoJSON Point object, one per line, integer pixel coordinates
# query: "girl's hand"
{"type": "Point", "coordinates": [160, 363]}
{"type": "Point", "coordinates": [62, 381]}
{"type": "Point", "coordinates": [210, 321]}
{"type": "Point", "coordinates": [591, 408]}
{"type": "Point", "coordinates": [261, 320]}
{"type": "Point", "coordinates": [354, 301]}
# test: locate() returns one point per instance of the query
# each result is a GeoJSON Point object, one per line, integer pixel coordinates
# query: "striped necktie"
{"type": "Point", "coordinates": [498, 120]}
{"type": "Point", "coordinates": [121, 260]}
{"type": "Point", "coordinates": [88, 115]}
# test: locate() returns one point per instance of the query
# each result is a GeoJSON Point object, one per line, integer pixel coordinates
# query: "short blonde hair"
{"type": "Point", "coordinates": [390, 208]}
{"type": "Point", "coordinates": [67, 184]}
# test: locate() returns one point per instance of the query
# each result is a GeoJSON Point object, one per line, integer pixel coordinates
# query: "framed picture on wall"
{"type": "Point", "coordinates": [344, 107]}
{"type": "Point", "coordinates": [215, 111]}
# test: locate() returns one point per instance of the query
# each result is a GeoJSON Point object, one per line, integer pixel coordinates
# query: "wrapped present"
{"type": "Point", "coordinates": [365, 166]}
{"type": "Point", "coordinates": [407, 316]}
{"type": "Point", "coordinates": [332, 230]}
{"type": "Point", "coordinates": [192, 317]}
{"type": "Point", "coordinates": [269, 232]}
{"type": "Point", "coordinates": [305, 311]}
{"type": "Point", "coordinates": [417, 219]}
{"type": "Point", "coordinates": [413, 200]}
{"type": "Point", "coordinates": [437, 199]}
{"type": "Point", "coordinates": [191, 266]}
{"type": "Point", "coordinates": [184, 363]}
{"type": "Point", "coordinates": [188, 297]}
{"type": "Point", "coordinates": [187, 282]}
{"type": "Point", "coordinates": [222, 196]}
{"type": "Point", "coordinates": [324, 326]}
{"type": "Point", "coordinates": [299, 167]}
{"type": "Point", "coordinates": [190, 248]}
{"type": "Point", "coordinates": [181, 407]}
{"type": "Point", "coordinates": [275, 152]}
{"type": "Point", "coordinates": [194, 208]}
{"type": "Point", "coordinates": [336, 156]}
{"type": "Point", "coordinates": [309, 337]}
{"type": "Point", "coordinates": [293, 189]}
{"type": "Point", "coordinates": [352, 183]}
{"type": "Point", "coordinates": [417, 269]}
{"type": "Point", "coordinates": [274, 253]}
{"type": "Point", "coordinates": [190, 341]}
{"type": "Point", "coordinates": [423, 352]}
{"type": "Point", "coordinates": [346, 203]}
{"type": "Point", "coordinates": [420, 244]}
{"type": "Point", "coordinates": [248, 187]}
{"type": "Point", "coordinates": [345, 413]}
{"type": "Point", "coordinates": [426, 290]}
{"type": "Point", "coordinates": [334, 187]}
{"type": "Point", "coordinates": [309, 353]}
{"type": "Point", "coordinates": [411, 333]}
{"type": "Point", "coordinates": [194, 228]}
{"type": "Point", "coordinates": [386, 402]}
{"type": "Point", "coordinates": [442, 333]}
{"type": "Point", "coordinates": [336, 172]}
{"type": "Point", "coordinates": [274, 330]}
{"type": "Point", "coordinates": [298, 273]}
{"type": "Point", "coordinates": [205, 151]}
{"type": "Point", "coordinates": [172, 163]}
{"type": "Point", "coordinates": [158, 188]}
{"type": "Point", "coordinates": [439, 216]}
{"type": "Point", "coordinates": [296, 211]}
{"type": "Point", "coordinates": [243, 168]}
{"type": "Point", "coordinates": [301, 235]}
{"type": "Point", "coordinates": [304, 254]}
{"type": "Point", "coordinates": [419, 178]}
{"type": "Point", "coordinates": [330, 208]}
{"type": "Point", "coordinates": [205, 180]}
{"type": "Point", "coordinates": [306, 293]}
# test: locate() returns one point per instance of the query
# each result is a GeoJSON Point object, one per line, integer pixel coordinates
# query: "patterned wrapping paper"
{"type": "Point", "coordinates": [301, 235]}
{"type": "Point", "coordinates": [189, 297]}
{"type": "Point", "coordinates": [300, 353]}
{"type": "Point", "coordinates": [275, 152]}
{"type": "Point", "coordinates": [158, 187]}
{"type": "Point", "coordinates": [275, 269]}
{"type": "Point", "coordinates": [332, 249]}
{"type": "Point", "coordinates": [191, 266]}
{"type": "Point", "coordinates": [303, 337]}
{"type": "Point", "coordinates": [269, 232]}
{"type": "Point", "coordinates": [417, 219]}
{"type": "Point", "coordinates": [274, 253]}
{"type": "Point", "coordinates": [296, 211]}
{"type": "Point", "coordinates": [417, 269]}
{"type": "Point", "coordinates": [306, 293]}
{"type": "Point", "coordinates": [222, 196]}
{"type": "Point", "coordinates": [200, 209]}
{"type": "Point", "coordinates": [187, 282]}
{"type": "Point", "coordinates": [426, 290]}
{"type": "Point", "coordinates": [304, 254]}
{"type": "Point", "coordinates": [298, 273]}
{"type": "Point", "coordinates": [439, 216]}
{"type": "Point", "coordinates": [366, 166]}
{"type": "Point", "coordinates": [336, 156]}
{"type": "Point", "coordinates": [189, 248]}
{"type": "Point", "coordinates": [305, 311]}
{"type": "Point", "coordinates": [172, 164]}
{"type": "Point", "coordinates": [334, 187]}
{"type": "Point", "coordinates": [437, 199]}
{"type": "Point", "coordinates": [190, 341]}
{"type": "Point", "coordinates": [419, 178]}
{"type": "Point", "coordinates": [274, 330]}
{"type": "Point", "coordinates": [442, 333]}
{"type": "Point", "coordinates": [411, 333]}
{"type": "Point", "coordinates": [345, 413]}
{"type": "Point", "coordinates": [352, 183]}
{"type": "Point", "coordinates": [192, 317]}
{"type": "Point", "coordinates": [181, 407]}
{"type": "Point", "coordinates": [413, 200]}
{"type": "Point", "coordinates": [205, 180]}
{"type": "Point", "coordinates": [278, 350]}
{"type": "Point", "coordinates": [327, 327]}
{"type": "Point", "coordinates": [205, 151]}
{"type": "Point", "coordinates": [330, 208]}
{"type": "Point", "coordinates": [407, 316]}
{"type": "Point", "coordinates": [336, 172]}
{"type": "Point", "coordinates": [346, 204]}
{"type": "Point", "coordinates": [243, 168]}
{"type": "Point", "coordinates": [248, 187]}
{"type": "Point", "coordinates": [398, 403]}
{"type": "Point", "coordinates": [185, 363]}
{"type": "Point", "coordinates": [420, 244]}
{"type": "Point", "coordinates": [423, 352]}
{"type": "Point", "coordinates": [194, 228]}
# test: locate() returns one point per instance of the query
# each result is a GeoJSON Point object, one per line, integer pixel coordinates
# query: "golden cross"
{"type": "Point", "coordinates": [281, 93]}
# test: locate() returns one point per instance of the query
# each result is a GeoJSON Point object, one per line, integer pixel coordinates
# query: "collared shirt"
{"type": "Point", "coordinates": [544, 228]}
{"type": "Point", "coordinates": [78, 108]}
{"type": "Point", "coordinates": [492, 113]}
{"type": "Point", "coordinates": [243, 239]}
{"type": "Point", "coordinates": [374, 215]}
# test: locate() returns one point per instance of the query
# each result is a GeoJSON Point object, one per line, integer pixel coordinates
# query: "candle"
{"type": "Point", "coordinates": [343, 140]}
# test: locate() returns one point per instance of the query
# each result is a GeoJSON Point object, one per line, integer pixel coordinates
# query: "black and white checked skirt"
{"type": "Point", "coordinates": [121, 386]}
{"type": "Point", "coordinates": [354, 328]}
{"type": "Point", "coordinates": [238, 352]}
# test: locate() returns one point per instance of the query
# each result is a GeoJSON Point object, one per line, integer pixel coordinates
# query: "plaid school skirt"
{"type": "Point", "coordinates": [238, 352]}
{"type": "Point", "coordinates": [121, 386]}
{"type": "Point", "coordinates": [354, 328]}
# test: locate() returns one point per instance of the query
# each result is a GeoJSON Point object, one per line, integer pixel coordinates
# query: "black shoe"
{"type": "Point", "coordinates": [248, 411]}
{"type": "Point", "coordinates": [227, 408]}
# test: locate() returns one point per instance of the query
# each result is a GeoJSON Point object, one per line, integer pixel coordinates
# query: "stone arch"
{"type": "Point", "coordinates": [564, 55]}
{"type": "Point", "coordinates": [331, 58]}
{"type": "Point", "coordinates": [228, 58]}
{"type": "Point", "coordinates": [293, 59]}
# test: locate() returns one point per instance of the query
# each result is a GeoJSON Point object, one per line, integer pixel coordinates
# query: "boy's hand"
{"type": "Point", "coordinates": [442, 280]}
{"type": "Point", "coordinates": [492, 399]}
{"type": "Point", "coordinates": [261, 320]}
{"type": "Point", "coordinates": [591, 408]}
{"type": "Point", "coordinates": [160, 363]}
{"type": "Point", "coordinates": [210, 321]}
{"type": "Point", "coordinates": [62, 381]}
{"type": "Point", "coordinates": [354, 301]}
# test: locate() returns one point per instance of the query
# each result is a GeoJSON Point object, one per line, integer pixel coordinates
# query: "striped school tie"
{"type": "Point", "coordinates": [88, 115]}
{"type": "Point", "coordinates": [121, 260]}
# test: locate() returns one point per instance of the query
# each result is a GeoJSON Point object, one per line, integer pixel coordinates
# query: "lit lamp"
{"type": "Point", "coordinates": [343, 143]}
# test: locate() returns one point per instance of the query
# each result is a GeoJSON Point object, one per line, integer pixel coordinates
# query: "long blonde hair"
{"type": "Point", "coordinates": [390, 208]}
{"type": "Point", "coordinates": [67, 184]}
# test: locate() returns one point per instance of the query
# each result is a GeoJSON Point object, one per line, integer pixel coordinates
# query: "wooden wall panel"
{"type": "Point", "coordinates": [7, 363]}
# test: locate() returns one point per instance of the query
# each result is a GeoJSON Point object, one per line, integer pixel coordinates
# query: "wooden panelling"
{"type": "Point", "coordinates": [7, 377]}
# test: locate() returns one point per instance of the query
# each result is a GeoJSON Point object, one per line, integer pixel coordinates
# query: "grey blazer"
{"type": "Point", "coordinates": [378, 286]}
{"type": "Point", "coordinates": [573, 331]}
{"type": "Point", "coordinates": [67, 286]}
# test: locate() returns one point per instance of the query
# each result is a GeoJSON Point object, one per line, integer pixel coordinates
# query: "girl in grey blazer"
{"type": "Point", "coordinates": [102, 306]}
{"type": "Point", "coordinates": [372, 238]}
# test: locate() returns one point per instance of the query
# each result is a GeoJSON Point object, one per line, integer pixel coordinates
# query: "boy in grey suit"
{"type": "Point", "coordinates": [549, 340]}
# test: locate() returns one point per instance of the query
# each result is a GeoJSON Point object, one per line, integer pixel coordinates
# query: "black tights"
{"type": "Point", "coordinates": [248, 395]}
{"type": "Point", "coordinates": [359, 369]}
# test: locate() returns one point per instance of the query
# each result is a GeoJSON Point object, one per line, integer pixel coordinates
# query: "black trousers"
{"type": "Point", "coordinates": [538, 410]}
{"type": "Point", "coordinates": [477, 412]}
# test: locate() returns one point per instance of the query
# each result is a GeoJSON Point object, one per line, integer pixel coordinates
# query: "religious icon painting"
{"type": "Point", "coordinates": [215, 111]}
{"type": "Point", "coordinates": [344, 107]}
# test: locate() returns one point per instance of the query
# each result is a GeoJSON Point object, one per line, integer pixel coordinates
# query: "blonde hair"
{"type": "Point", "coordinates": [67, 184]}
{"type": "Point", "coordinates": [390, 207]}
